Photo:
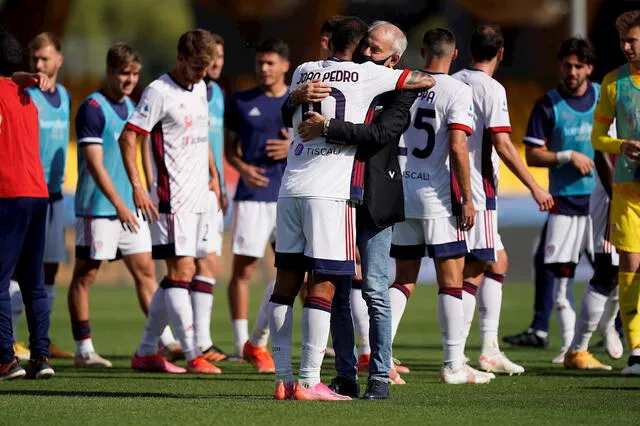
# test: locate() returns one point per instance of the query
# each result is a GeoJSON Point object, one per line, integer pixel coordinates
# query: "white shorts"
{"type": "Point", "coordinates": [106, 239]}
{"type": "Point", "coordinates": [54, 247]}
{"type": "Point", "coordinates": [317, 235]}
{"type": "Point", "coordinates": [599, 211]}
{"type": "Point", "coordinates": [438, 238]}
{"type": "Point", "coordinates": [217, 225]}
{"type": "Point", "coordinates": [482, 238]}
{"type": "Point", "coordinates": [567, 237]}
{"type": "Point", "coordinates": [181, 234]}
{"type": "Point", "coordinates": [254, 225]}
{"type": "Point", "coordinates": [498, 245]}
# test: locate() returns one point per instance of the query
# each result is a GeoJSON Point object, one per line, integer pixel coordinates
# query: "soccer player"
{"type": "Point", "coordinates": [438, 201]}
{"type": "Point", "coordinates": [558, 138]}
{"type": "Point", "coordinates": [23, 208]}
{"type": "Point", "coordinates": [316, 221]}
{"type": "Point", "coordinates": [599, 304]}
{"type": "Point", "coordinates": [325, 34]}
{"type": "Point", "coordinates": [489, 143]}
{"type": "Point", "coordinates": [203, 283]}
{"type": "Point", "coordinates": [257, 147]}
{"type": "Point", "coordinates": [174, 112]}
{"type": "Point", "coordinates": [53, 114]}
{"type": "Point", "coordinates": [620, 101]}
{"type": "Point", "coordinates": [107, 226]}
{"type": "Point", "coordinates": [377, 144]}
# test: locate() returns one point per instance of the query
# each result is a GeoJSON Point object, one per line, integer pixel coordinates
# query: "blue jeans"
{"type": "Point", "coordinates": [374, 245]}
{"type": "Point", "coordinates": [22, 229]}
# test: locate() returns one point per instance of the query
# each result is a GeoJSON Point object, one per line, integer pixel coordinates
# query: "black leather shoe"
{"type": "Point", "coordinates": [344, 386]}
{"type": "Point", "coordinates": [377, 389]}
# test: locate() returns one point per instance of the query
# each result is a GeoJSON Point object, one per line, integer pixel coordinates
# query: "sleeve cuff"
{"type": "Point", "coordinates": [534, 141]}
{"type": "Point", "coordinates": [136, 129]}
{"type": "Point", "coordinates": [402, 79]}
{"type": "Point", "coordinates": [89, 140]}
{"type": "Point", "coordinates": [500, 129]}
{"type": "Point", "coordinates": [457, 126]}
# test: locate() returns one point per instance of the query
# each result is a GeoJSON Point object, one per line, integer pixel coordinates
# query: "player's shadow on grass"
{"type": "Point", "coordinates": [164, 376]}
{"type": "Point", "coordinates": [613, 388]}
{"type": "Point", "coordinates": [100, 394]}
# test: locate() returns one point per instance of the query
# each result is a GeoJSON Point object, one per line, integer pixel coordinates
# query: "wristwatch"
{"type": "Point", "coordinates": [325, 128]}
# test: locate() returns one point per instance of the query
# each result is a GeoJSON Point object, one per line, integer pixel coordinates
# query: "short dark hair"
{"type": "Point", "coordinates": [486, 41]}
{"type": "Point", "coordinates": [436, 40]}
{"type": "Point", "coordinates": [10, 54]}
{"type": "Point", "coordinates": [274, 45]}
{"type": "Point", "coordinates": [347, 34]}
{"type": "Point", "coordinates": [121, 55]}
{"type": "Point", "coordinates": [628, 20]}
{"type": "Point", "coordinates": [578, 46]}
{"type": "Point", "coordinates": [330, 24]}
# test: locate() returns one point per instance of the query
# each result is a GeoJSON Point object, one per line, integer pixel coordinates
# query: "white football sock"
{"type": "Point", "coordinates": [51, 296]}
{"type": "Point", "coordinates": [591, 309]}
{"type": "Point", "coordinates": [240, 334]}
{"type": "Point", "coordinates": [399, 301]}
{"type": "Point", "coordinates": [202, 301]}
{"type": "Point", "coordinates": [610, 313]}
{"type": "Point", "coordinates": [489, 306]}
{"type": "Point", "coordinates": [563, 288]}
{"type": "Point", "coordinates": [157, 320]}
{"type": "Point", "coordinates": [360, 315]}
{"type": "Point", "coordinates": [315, 334]}
{"type": "Point", "coordinates": [260, 335]}
{"type": "Point", "coordinates": [469, 292]}
{"type": "Point", "coordinates": [451, 316]}
{"type": "Point", "coordinates": [17, 306]}
{"type": "Point", "coordinates": [178, 305]}
{"type": "Point", "coordinates": [167, 339]}
{"type": "Point", "coordinates": [281, 327]}
{"type": "Point", "coordinates": [84, 346]}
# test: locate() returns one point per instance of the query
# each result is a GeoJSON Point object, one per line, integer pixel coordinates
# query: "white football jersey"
{"type": "Point", "coordinates": [317, 169]}
{"type": "Point", "coordinates": [177, 120]}
{"type": "Point", "coordinates": [491, 116]}
{"type": "Point", "coordinates": [430, 189]}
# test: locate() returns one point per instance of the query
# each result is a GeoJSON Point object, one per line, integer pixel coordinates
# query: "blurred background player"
{"type": "Point", "coordinates": [23, 208]}
{"type": "Point", "coordinates": [107, 226]}
{"type": "Point", "coordinates": [53, 114]}
{"type": "Point", "coordinates": [599, 303]}
{"type": "Point", "coordinates": [204, 282]}
{"type": "Point", "coordinates": [256, 147]}
{"type": "Point", "coordinates": [620, 101]}
{"type": "Point", "coordinates": [557, 138]}
{"type": "Point", "coordinates": [377, 146]}
{"type": "Point", "coordinates": [489, 143]}
{"type": "Point", "coordinates": [174, 112]}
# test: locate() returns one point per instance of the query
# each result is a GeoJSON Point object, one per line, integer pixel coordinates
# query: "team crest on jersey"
{"type": "Point", "coordinates": [97, 245]}
{"type": "Point", "coordinates": [182, 241]}
{"type": "Point", "coordinates": [550, 249]}
{"type": "Point", "coordinates": [188, 121]}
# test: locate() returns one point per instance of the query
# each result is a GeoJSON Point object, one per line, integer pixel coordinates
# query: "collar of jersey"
{"type": "Point", "coordinates": [180, 85]}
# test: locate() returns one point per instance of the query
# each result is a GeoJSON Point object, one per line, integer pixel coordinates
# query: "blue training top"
{"type": "Point", "coordinates": [54, 115]}
{"type": "Point", "coordinates": [100, 120]}
{"type": "Point", "coordinates": [256, 117]}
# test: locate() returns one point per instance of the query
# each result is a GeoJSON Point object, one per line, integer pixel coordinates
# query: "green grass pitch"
{"type": "Point", "coordinates": [545, 394]}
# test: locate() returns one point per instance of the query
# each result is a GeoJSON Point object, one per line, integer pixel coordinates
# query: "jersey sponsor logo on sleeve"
{"type": "Point", "coordinates": [299, 149]}
{"type": "Point", "coordinates": [144, 111]}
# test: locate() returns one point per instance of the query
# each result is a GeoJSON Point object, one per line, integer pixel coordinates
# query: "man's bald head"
{"type": "Point", "coordinates": [385, 43]}
{"type": "Point", "coordinates": [386, 30]}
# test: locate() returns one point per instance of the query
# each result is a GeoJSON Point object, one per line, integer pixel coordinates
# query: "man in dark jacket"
{"type": "Point", "coordinates": [382, 207]}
